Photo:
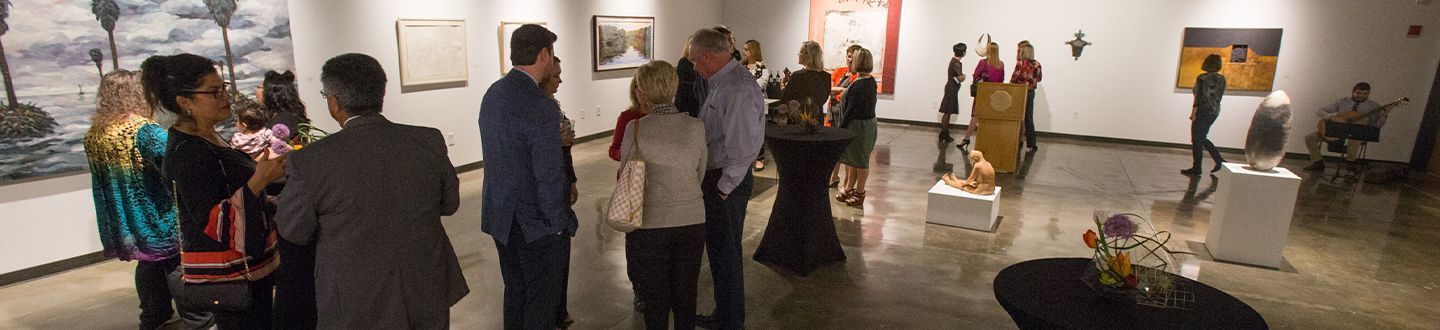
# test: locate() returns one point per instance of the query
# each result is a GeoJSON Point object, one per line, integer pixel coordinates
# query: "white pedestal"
{"type": "Point", "coordinates": [1250, 223]}
{"type": "Point", "coordinates": [953, 207]}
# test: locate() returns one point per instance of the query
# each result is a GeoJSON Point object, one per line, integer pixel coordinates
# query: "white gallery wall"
{"type": "Point", "coordinates": [51, 220]}
{"type": "Point", "coordinates": [1124, 85]}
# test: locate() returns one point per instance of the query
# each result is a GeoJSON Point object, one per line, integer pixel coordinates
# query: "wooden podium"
{"type": "Point", "coordinates": [1000, 109]}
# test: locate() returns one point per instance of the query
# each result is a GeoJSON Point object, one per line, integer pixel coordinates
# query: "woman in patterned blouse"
{"type": "Point", "coordinates": [133, 208]}
{"type": "Point", "coordinates": [1027, 71]}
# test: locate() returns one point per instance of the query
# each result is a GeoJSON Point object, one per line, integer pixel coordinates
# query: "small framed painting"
{"type": "Point", "coordinates": [432, 52]}
{"type": "Point", "coordinates": [623, 42]}
{"type": "Point", "coordinates": [506, 29]}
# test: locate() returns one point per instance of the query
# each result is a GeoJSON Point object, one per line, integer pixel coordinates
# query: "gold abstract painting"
{"type": "Point", "coordinates": [1250, 56]}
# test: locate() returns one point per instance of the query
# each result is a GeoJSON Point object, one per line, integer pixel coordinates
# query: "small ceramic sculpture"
{"type": "Point", "coordinates": [981, 180]}
{"type": "Point", "coordinates": [1078, 45]}
{"type": "Point", "coordinates": [1269, 129]}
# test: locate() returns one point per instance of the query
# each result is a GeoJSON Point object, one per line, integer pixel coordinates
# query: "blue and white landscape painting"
{"type": "Point", "coordinates": [51, 48]}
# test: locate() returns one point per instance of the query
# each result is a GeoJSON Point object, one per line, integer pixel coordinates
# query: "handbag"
{"type": "Point", "coordinates": [232, 296]}
{"type": "Point", "coordinates": [627, 204]}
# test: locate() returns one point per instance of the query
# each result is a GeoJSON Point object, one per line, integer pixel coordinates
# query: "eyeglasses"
{"type": "Point", "coordinates": [223, 90]}
{"type": "Point", "coordinates": [323, 93]}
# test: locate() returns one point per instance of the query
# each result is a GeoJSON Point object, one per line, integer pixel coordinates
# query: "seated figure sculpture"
{"type": "Point", "coordinates": [981, 180]}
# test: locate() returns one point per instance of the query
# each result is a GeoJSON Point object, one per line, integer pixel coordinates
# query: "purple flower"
{"type": "Point", "coordinates": [279, 147]}
{"type": "Point", "coordinates": [1120, 226]}
{"type": "Point", "coordinates": [280, 131]}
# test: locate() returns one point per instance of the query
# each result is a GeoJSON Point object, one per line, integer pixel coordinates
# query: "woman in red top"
{"type": "Point", "coordinates": [1027, 72]}
{"type": "Point", "coordinates": [636, 111]}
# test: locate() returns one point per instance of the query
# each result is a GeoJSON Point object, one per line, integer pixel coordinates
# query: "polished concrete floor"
{"type": "Point", "coordinates": [1359, 254]}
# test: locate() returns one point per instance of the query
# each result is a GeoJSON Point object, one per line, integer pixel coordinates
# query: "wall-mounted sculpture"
{"type": "Point", "coordinates": [981, 180]}
{"type": "Point", "coordinates": [1078, 45]}
{"type": "Point", "coordinates": [1269, 129]}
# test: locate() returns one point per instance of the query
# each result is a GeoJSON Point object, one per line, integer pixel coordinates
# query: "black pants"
{"type": "Point", "coordinates": [724, 222]}
{"type": "Point", "coordinates": [1200, 141]}
{"type": "Point", "coordinates": [667, 267]}
{"type": "Point", "coordinates": [295, 286]}
{"type": "Point", "coordinates": [155, 297]}
{"type": "Point", "coordinates": [260, 313]}
{"type": "Point", "coordinates": [534, 276]}
{"type": "Point", "coordinates": [1030, 118]}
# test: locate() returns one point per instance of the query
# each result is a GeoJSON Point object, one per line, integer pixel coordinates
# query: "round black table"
{"type": "Point", "coordinates": [801, 234]}
{"type": "Point", "coordinates": [1048, 294]}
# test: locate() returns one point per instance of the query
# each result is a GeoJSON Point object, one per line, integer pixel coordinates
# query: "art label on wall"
{"type": "Point", "coordinates": [507, 29]}
{"type": "Point", "coordinates": [873, 24]}
{"type": "Point", "coordinates": [56, 51]}
{"type": "Point", "coordinates": [623, 42]}
{"type": "Point", "coordinates": [1249, 56]}
{"type": "Point", "coordinates": [432, 52]}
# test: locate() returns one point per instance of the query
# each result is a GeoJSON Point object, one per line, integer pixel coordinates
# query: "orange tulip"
{"type": "Point", "coordinates": [295, 147]}
{"type": "Point", "coordinates": [1121, 264]}
{"type": "Point", "coordinates": [1091, 239]}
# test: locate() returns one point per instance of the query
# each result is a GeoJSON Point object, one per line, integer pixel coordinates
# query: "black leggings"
{"type": "Point", "coordinates": [1200, 141]}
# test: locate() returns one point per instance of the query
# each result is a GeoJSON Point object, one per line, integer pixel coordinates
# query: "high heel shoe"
{"type": "Point", "coordinates": [963, 144]}
{"type": "Point", "coordinates": [834, 183]}
{"type": "Point", "coordinates": [857, 200]}
{"type": "Point", "coordinates": [945, 137]}
{"type": "Point", "coordinates": [844, 195]}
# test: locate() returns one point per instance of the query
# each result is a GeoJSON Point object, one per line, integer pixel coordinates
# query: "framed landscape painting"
{"type": "Point", "coordinates": [623, 42]}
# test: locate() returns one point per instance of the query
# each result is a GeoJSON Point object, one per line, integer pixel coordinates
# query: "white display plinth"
{"type": "Point", "coordinates": [954, 207]}
{"type": "Point", "coordinates": [1250, 223]}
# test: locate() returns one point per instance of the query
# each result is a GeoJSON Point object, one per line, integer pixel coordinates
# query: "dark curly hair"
{"type": "Point", "coordinates": [281, 95]}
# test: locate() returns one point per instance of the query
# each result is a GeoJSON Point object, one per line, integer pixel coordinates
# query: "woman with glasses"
{"type": "Point", "coordinates": [226, 234]}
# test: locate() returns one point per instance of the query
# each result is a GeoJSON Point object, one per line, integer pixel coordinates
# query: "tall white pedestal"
{"type": "Point", "coordinates": [1250, 223]}
{"type": "Point", "coordinates": [954, 207]}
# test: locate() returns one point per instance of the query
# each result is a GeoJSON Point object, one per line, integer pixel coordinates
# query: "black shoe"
{"type": "Point", "coordinates": [945, 137]}
{"type": "Point", "coordinates": [1033, 148]}
{"type": "Point", "coordinates": [963, 144]}
{"type": "Point", "coordinates": [1217, 168]}
{"type": "Point", "coordinates": [707, 321]}
{"type": "Point", "coordinates": [1316, 166]}
{"type": "Point", "coordinates": [1190, 171]}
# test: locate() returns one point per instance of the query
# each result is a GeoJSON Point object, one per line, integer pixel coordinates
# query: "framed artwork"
{"type": "Point", "coordinates": [56, 52]}
{"type": "Point", "coordinates": [432, 52]}
{"type": "Point", "coordinates": [623, 42]}
{"type": "Point", "coordinates": [873, 24]}
{"type": "Point", "coordinates": [506, 29]}
{"type": "Point", "coordinates": [1248, 56]}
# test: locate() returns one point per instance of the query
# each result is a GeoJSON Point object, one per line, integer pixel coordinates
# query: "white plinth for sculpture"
{"type": "Point", "coordinates": [1250, 223]}
{"type": "Point", "coordinates": [953, 207]}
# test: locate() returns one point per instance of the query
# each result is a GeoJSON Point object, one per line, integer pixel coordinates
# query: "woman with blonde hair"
{"type": "Point", "coordinates": [859, 118]}
{"type": "Point", "coordinates": [810, 86]}
{"type": "Point", "coordinates": [991, 70]}
{"type": "Point", "coordinates": [133, 208]}
{"type": "Point", "coordinates": [1027, 72]}
{"type": "Point", "coordinates": [665, 251]}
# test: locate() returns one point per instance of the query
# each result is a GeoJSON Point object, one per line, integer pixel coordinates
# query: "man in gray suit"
{"type": "Point", "coordinates": [526, 203]}
{"type": "Point", "coordinates": [370, 198]}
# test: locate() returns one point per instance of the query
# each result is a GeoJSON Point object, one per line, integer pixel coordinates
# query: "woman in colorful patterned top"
{"type": "Point", "coordinates": [1027, 71]}
{"type": "Point", "coordinates": [991, 70]}
{"type": "Point", "coordinates": [132, 205]}
{"type": "Point", "coordinates": [226, 233]}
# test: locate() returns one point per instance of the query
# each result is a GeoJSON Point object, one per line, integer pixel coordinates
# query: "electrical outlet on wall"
{"type": "Point", "coordinates": [450, 139]}
{"type": "Point", "coordinates": [597, 111]}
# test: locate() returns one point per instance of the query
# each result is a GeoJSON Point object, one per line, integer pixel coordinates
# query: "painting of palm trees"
{"type": "Point", "coordinates": [48, 48]}
{"type": "Point", "coordinates": [623, 42]}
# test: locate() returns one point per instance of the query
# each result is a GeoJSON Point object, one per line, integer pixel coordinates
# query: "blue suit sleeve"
{"type": "Point", "coordinates": [549, 164]}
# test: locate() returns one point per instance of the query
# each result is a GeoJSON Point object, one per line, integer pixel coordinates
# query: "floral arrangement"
{"type": "Point", "coordinates": [804, 116]}
{"type": "Point", "coordinates": [1131, 261]}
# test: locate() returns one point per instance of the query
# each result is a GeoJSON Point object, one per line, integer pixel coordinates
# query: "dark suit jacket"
{"type": "Point", "coordinates": [525, 182]}
{"type": "Point", "coordinates": [371, 197]}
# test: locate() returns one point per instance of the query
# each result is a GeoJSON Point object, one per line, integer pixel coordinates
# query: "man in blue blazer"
{"type": "Point", "coordinates": [526, 206]}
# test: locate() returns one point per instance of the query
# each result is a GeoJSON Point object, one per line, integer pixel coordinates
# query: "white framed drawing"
{"type": "Point", "coordinates": [432, 51]}
{"type": "Point", "coordinates": [506, 29]}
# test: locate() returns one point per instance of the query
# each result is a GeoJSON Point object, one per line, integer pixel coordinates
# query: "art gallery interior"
{"type": "Point", "coordinates": [1113, 132]}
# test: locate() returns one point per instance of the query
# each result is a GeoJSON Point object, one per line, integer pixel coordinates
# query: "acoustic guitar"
{"type": "Point", "coordinates": [1355, 116]}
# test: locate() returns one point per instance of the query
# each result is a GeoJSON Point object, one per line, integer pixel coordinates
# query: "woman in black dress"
{"type": "Point", "coordinates": [950, 103]}
{"type": "Point", "coordinates": [226, 234]}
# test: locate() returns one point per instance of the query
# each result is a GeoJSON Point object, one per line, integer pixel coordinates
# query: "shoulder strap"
{"type": "Point", "coordinates": [635, 142]}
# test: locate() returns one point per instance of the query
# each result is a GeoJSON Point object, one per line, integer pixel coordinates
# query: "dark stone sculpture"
{"type": "Point", "coordinates": [1269, 129]}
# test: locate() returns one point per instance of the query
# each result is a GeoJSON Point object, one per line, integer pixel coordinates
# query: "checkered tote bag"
{"type": "Point", "coordinates": [627, 204]}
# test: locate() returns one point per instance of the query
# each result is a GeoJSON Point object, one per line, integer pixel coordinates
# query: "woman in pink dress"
{"type": "Point", "coordinates": [991, 70]}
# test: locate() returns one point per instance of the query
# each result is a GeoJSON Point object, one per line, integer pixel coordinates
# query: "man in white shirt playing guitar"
{"type": "Point", "coordinates": [1355, 109]}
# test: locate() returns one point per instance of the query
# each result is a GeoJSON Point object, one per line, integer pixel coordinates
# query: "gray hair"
{"type": "Point", "coordinates": [357, 81]}
{"type": "Point", "coordinates": [710, 41]}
